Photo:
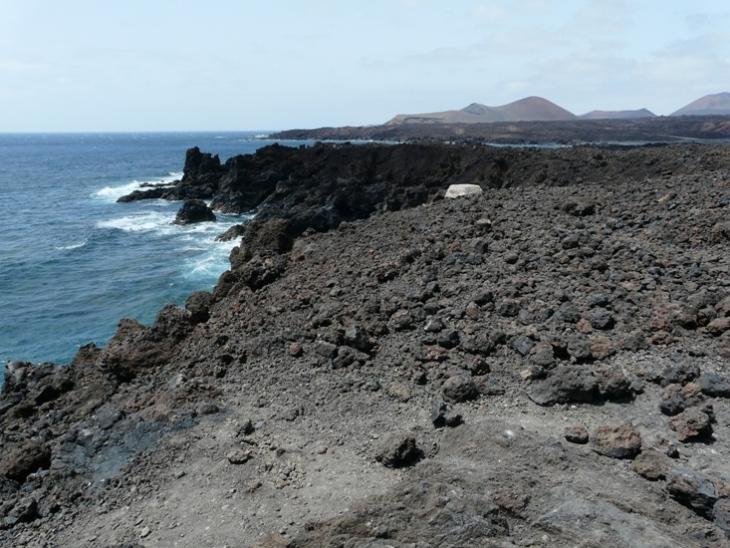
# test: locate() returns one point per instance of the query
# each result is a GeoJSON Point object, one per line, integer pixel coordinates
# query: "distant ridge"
{"type": "Point", "coordinates": [529, 109]}
{"type": "Point", "coordinates": [618, 114]}
{"type": "Point", "coordinates": [717, 104]}
{"type": "Point", "coordinates": [539, 109]}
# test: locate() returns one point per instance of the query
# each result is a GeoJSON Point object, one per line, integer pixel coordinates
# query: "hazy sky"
{"type": "Point", "coordinates": [96, 65]}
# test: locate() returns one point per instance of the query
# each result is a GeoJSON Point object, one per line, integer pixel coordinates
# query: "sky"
{"type": "Point", "coordinates": [178, 65]}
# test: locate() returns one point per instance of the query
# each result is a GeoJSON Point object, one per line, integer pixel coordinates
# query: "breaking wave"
{"type": "Point", "coordinates": [113, 193]}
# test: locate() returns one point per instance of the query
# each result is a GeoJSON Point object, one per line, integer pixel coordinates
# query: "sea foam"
{"type": "Point", "coordinates": [75, 245]}
{"type": "Point", "coordinates": [140, 222]}
{"type": "Point", "coordinates": [113, 193]}
{"type": "Point", "coordinates": [211, 263]}
{"type": "Point", "coordinates": [162, 224]}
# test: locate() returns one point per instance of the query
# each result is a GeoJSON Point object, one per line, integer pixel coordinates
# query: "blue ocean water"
{"type": "Point", "coordinates": [73, 261]}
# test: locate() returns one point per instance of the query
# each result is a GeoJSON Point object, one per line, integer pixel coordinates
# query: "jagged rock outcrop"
{"type": "Point", "coordinates": [194, 211]}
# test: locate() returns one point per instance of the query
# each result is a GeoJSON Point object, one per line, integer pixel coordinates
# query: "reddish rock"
{"type": "Point", "coordinates": [661, 338]}
{"type": "Point", "coordinates": [584, 326]}
{"type": "Point", "coordinates": [620, 441]}
{"type": "Point", "coordinates": [691, 424]}
{"type": "Point", "coordinates": [601, 347]}
{"type": "Point", "coordinates": [295, 349]}
{"type": "Point", "coordinates": [651, 465]}
{"type": "Point", "coordinates": [472, 311]}
{"type": "Point", "coordinates": [661, 319]}
{"type": "Point", "coordinates": [718, 326]}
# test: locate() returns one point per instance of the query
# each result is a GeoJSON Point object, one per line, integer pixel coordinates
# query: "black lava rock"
{"type": "Point", "coordinates": [194, 211]}
{"type": "Point", "coordinates": [442, 415]}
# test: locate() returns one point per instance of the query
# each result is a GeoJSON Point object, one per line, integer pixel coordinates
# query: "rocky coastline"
{"type": "Point", "coordinates": [546, 363]}
{"type": "Point", "coordinates": [675, 129]}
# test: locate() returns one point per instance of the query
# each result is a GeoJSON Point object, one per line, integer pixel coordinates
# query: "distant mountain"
{"type": "Point", "coordinates": [529, 109]}
{"type": "Point", "coordinates": [717, 105]}
{"type": "Point", "coordinates": [618, 114]}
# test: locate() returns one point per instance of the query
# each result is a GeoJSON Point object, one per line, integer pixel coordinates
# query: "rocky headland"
{"type": "Point", "coordinates": [544, 363]}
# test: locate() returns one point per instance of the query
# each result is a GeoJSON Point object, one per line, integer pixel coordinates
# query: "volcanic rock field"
{"type": "Point", "coordinates": [546, 363]}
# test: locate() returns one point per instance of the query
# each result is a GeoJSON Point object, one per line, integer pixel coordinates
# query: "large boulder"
{"type": "Point", "coordinates": [566, 384]}
{"type": "Point", "coordinates": [194, 211]}
{"type": "Point", "coordinates": [460, 388]}
{"type": "Point", "coordinates": [692, 489]}
{"type": "Point", "coordinates": [460, 191]}
{"type": "Point", "coordinates": [714, 385]}
{"type": "Point", "coordinates": [398, 450]}
{"type": "Point", "coordinates": [651, 465]}
{"type": "Point", "coordinates": [692, 424]}
{"type": "Point", "coordinates": [18, 463]}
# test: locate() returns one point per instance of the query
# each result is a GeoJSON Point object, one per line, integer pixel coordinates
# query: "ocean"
{"type": "Point", "coordinates": [73, 261]}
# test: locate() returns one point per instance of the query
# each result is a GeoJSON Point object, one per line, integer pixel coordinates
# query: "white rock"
{"type": "Point", "coordinates": [457, 191]}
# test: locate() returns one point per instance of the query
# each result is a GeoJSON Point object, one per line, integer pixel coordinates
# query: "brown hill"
{"type": "Point", "coordinates": [529, 109]}
{"type": "Point", "coordinates": [709, 105]}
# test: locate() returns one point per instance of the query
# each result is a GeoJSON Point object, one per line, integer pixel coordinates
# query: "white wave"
{"type": "Point", "coordinates": [162, 224]}
{"type": "Point", "coordinates": [113, 193]}
{"type": "Point", "coordinates": [210, 265]}
{"type": "Point", "coordinates": [205, 258]}
{"type": "Point", "coordinates": [210, 229]}
{"type": "Point", "coordinates": [71, 246]}
{"type": "Point", "coordinates": [140, 222]}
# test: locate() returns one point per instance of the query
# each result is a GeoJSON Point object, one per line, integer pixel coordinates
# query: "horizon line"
{"type": "Point", "coordinates": [92, 131]}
